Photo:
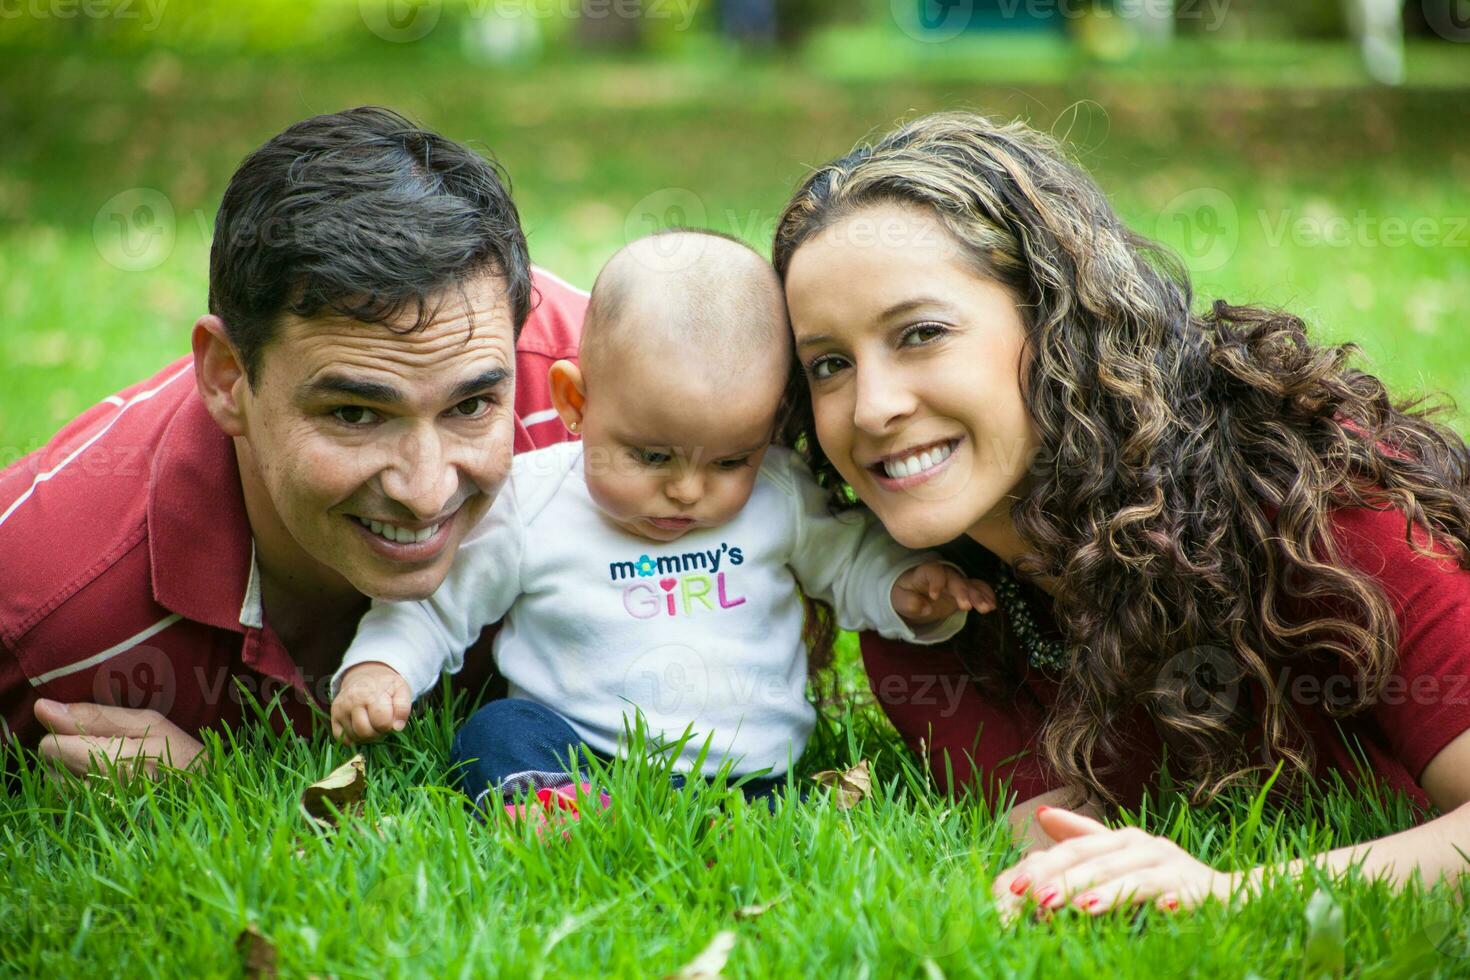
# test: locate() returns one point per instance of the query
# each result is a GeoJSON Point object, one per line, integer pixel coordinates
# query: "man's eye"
{"type": "Point", "coordinates": [650, 458]}
{"type": "Point", "coordinates": [355, 415]}
{"type": "Point", "coordinates": [471, 408]}
{"type": "Point", "coordinates": [824, 366]}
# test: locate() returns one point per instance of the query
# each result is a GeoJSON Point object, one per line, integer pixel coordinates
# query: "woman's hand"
{"type": "Point", "coordinates": [1094, 868]}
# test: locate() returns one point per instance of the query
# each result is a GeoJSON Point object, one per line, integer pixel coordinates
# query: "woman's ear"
{"type": "Point", "coordinates": [220, 375]}
{"type": "Point", "coordinates": [568, 394]}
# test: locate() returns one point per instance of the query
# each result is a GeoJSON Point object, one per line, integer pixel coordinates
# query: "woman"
{"type": "Point", "coordinates": [1212, 537]}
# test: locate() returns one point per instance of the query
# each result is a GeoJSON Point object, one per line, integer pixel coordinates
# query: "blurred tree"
{"type": "Point", "coordinates": [749, 22]}
{"type": "Point", "coordinates": [611, 24]}
{"type": "Point", "coordinates": [1378, 27]}
{"type": "Point", "coordinates": [796, 19]}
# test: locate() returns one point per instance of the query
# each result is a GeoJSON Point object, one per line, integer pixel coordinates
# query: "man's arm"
{"type": "Point", "coordinates": [82, 735]}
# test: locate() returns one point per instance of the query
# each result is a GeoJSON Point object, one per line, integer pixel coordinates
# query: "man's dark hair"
{"type": "Point", "coordinates": [366, 215]}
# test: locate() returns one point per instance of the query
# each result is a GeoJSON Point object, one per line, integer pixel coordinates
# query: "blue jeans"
{"type": "Point", "coordinates": [515, 745]}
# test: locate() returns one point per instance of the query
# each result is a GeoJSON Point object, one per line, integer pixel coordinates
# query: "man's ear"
{"type": "Point", "coordinates": [568, 394]}
{"type": "Point", "coordinates": [219, 375]}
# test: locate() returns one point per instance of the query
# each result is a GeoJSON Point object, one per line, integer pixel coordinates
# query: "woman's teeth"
{"type": "Point", "coordinates": [917, 462]}
{"type": "Point", "coordinates": [401, 535]}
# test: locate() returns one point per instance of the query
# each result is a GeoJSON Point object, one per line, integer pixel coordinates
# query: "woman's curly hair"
{"type": "Point", "coordinates": [1188, 466]}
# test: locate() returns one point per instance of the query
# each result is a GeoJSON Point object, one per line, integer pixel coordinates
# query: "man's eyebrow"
{"type": "Point", "coordinates": [480, 384]}
{"type": "Point", "coordinates": [370, 391]}
{"type": "Point", "coordinates": [385, 394]}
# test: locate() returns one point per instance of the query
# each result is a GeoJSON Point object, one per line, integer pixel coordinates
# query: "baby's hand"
{"type": "Point", "coordinates": [374, 699]}
{"type": "Point", "coordinates": [933, 591]}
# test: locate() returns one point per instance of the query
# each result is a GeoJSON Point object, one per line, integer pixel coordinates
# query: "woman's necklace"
{"type": "Point", "coordinates": [1041, 653]}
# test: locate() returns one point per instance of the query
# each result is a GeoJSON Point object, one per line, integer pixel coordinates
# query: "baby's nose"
{"type": "Point", "coordinates": [686, 489]}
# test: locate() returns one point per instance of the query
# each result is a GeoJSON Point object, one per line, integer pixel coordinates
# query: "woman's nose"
{"type": "Point", "coordinates": [882, 398]}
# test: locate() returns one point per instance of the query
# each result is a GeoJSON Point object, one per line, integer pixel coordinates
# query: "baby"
{"type": "Point", "coordinates": [654, 566]}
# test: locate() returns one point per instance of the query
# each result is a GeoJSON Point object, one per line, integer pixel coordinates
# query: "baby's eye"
{"type": "Point", "coordinates": [824, 367]}
{"type": "Point", "coordinates": [733, 464]}
{"type": "Point", "coordinates": [355, 415]}
{"type": "Point", "coordinates": [649, 457]}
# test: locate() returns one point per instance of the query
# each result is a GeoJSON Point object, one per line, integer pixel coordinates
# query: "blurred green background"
{"type": "Point", "coordinates": [1291, 158]}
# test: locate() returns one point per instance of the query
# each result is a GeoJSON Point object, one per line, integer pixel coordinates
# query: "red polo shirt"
{"type": "Point", "coordinates": [126, 558]}
{"type": "Point", "coordinates": [928, 695]}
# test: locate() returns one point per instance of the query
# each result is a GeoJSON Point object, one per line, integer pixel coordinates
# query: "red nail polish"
{"type": "Point", "coordinates": [1087, 901]}
{"type": "Point", "coordinates": [1171, 903]}
{"type": "Point", "coordinates": [1046, 895]}
{"type": "Point", "coordinates": [1020, 885]}
{"type": "Point", "coordinates": [1042, 809]}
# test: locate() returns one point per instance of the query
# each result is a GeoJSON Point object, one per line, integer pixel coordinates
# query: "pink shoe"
{"type": "Point", "coordinates": [555, 804]}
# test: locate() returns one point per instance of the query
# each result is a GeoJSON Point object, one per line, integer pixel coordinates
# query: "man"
{"type": "Point", "coordinates": [377, 344]}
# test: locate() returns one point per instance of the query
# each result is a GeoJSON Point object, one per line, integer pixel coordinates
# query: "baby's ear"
{"type": "Point", "coordinates": [568, 393]}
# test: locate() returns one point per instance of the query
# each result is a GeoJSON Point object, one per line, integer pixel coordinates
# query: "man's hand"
{"type": "Point", "coordinates": [931, 592]}
{"type": "Point", "coordinates": [83, 734]}
{"type": "Point", "coordinates": [374, 699]}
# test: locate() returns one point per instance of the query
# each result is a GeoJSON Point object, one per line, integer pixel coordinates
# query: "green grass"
{"type": "Point", "coordinates": [137, 878]}
{"type": "Point", "coordinates": [145, 879]}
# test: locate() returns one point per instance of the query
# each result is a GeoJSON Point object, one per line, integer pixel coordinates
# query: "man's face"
{"type": "Point", "coordinates": [379, 450]}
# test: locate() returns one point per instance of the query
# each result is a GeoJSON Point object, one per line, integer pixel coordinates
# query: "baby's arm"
{"type": "Point", "coordinates": [402, 647]}
{"type": "Point", "coordinates": [872, 581]}
{"type": "Point", "coordinates": [934, 591]}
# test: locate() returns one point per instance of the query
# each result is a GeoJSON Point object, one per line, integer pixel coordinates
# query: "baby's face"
{"type": "Point", "coordinates": [665, 454]}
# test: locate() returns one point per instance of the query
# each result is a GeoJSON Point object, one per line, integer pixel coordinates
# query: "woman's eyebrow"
{"type": "Point", "coordinates": [909, 305]}
{"type": "Point", "coordinates": [896, 310]}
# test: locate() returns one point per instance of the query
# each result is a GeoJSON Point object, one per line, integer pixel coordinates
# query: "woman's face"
{"type": "Point", "coordinates": [914, 362]}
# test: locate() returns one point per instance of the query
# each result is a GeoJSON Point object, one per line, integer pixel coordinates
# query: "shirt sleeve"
{"type": "Point", "coordinates": [17, 703]}
{"type": "Point", "coordinates": [849, 561]}
{"type": "Point", "coordinates": [423, 638]}
{"type": "Point", "coordinates": [1426, 703]}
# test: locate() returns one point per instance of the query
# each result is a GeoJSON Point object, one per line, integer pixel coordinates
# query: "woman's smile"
{"type": "Point", "coordinates": [914, 466]}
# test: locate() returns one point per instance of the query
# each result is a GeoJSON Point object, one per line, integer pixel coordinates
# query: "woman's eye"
{"type": "Point", "coordinates": [355, 415]}
{"type": "Point", "coordinates": [471, 408]}
{"type": "Point", "coordinates": [651, 458]}
{"type": "Point", "coordinates": [823, 367]}
{"type": "Point", "coordinates": [923, 333]}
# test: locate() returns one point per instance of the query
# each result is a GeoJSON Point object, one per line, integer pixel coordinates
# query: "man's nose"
{"type": "Point", "coordinates": [419, 474]}
{"type": "Point", "coordinates": [881, 398]}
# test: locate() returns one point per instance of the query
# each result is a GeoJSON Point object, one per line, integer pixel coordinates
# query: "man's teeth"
{"type": "Point", "coordinates": [917, 462]}
{"type": "Point", "coordinates": [401, 535]}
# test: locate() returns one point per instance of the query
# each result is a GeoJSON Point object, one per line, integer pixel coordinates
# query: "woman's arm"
{"type": "Point", "coordinates": [1095, 868]}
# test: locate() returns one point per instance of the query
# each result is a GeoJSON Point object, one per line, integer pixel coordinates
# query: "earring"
{"type": "Point", "coordinates": [572, 426]}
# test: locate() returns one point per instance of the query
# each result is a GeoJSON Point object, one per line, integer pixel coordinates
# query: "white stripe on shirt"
{"type": "Point", "coordinates": [141, 396]}
{"type": "Point", "coordinates": [559, 280]}
{"type": "Point", "coordinates": [536, 418]}
{"type": "Point", "coordinates": [112, 651]}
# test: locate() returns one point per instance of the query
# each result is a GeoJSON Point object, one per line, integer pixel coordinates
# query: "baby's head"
{"type": "Point", "coordinates": [684, 359]}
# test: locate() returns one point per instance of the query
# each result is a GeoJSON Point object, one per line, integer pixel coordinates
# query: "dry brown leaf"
{"type": "Point", "coordinates": [708, 964]}
{"type": "Point", "coordinates": [257, 953]}
{"type": "Point", "coordinates": [849, 788]}
{"type": "Point", "coordinates": [756, 911]}
{"type": "Point", "coordinates": [343, 788]}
